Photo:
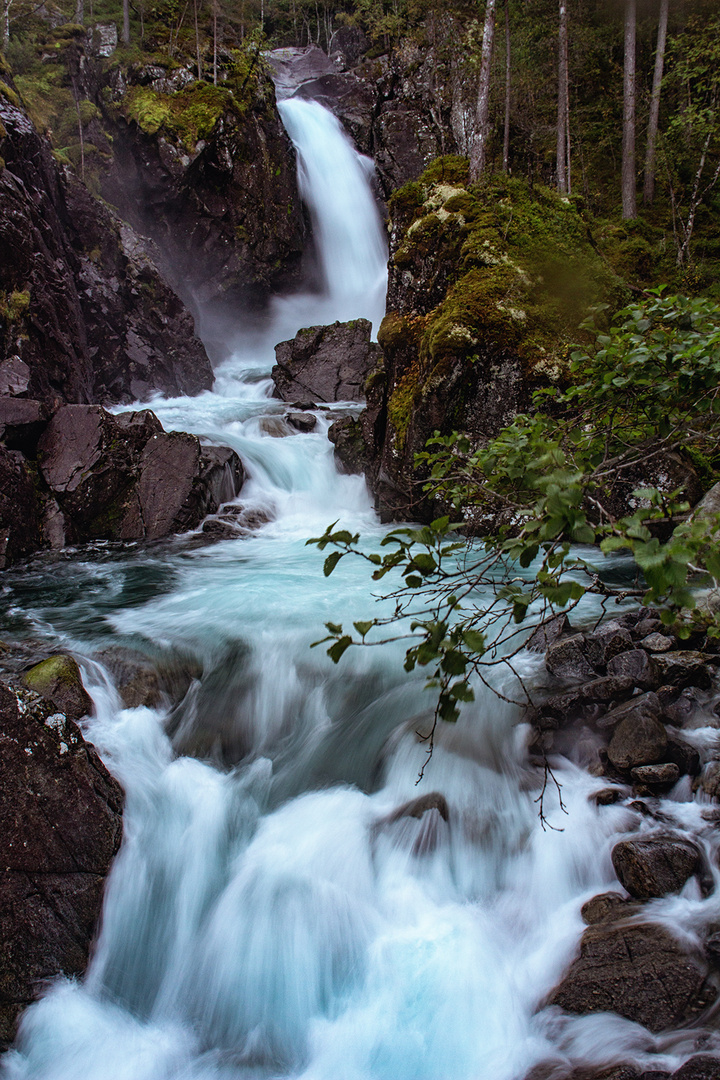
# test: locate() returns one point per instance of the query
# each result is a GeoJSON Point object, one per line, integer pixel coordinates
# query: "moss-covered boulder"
{"type": "Point", "coordinates": [58, 679]}
{"type": "Point", "coordinates": [489, 285]}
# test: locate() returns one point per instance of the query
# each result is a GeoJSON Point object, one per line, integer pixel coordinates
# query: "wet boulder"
{"type": "Point", "coordinates": [566, 659]}
{"type": "Point", "coordinates": [607, 641]}
{"type": "Point", "coordinates": [604, 906]}
{"type": "Point", "coordinates": [639, 739]}
{"type": "Point", "coordinates": [638, 707]}
{"type": "Point", "coordinates": [60, 826]}
{"type": "Point", "coordinates": [58, 679]}
{"type": "Point", "coordinates": [655, 866]}
{"type": "Point", "coordinates": [302, 421]}
{"type": "Point", "coordinates": [640, 972]}
{"type": "Point", "coordinates": [326, 363]}
{"type": "Point", "coordinates": [684, 668]}
{"type": "Point", "coordinates": [638, 665]}
{"type": "Point", "coordinates": [653, 779]}
{"type": "Point", "coordinates": [699, 1067]}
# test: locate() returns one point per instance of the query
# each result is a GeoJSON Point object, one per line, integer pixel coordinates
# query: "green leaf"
{"type": "Point", "coordinates": [331, 562]}
{"type": "Point", "coordinates": [335, 651]}
{"type": "Point", "coordinates": [363, 627]}
{"type": "Point", "coordinates": [475, 641]}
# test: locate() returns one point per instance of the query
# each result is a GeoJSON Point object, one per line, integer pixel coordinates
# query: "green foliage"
{"type": "Point", "coordinates": [13, 305]}
{"type": "Point", "coordinates": [648, 385]}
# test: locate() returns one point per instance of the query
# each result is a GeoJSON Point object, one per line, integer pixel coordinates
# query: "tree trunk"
{"type": "Point", "coordinates": [506, 132]}
{"type": "Point", "coordinates": [563, 112]}
{"type": "Point", "coordinates": [79, 12]}
{"type": "Point", "coordinates": [214, 42]}
{"type": "Point", "coordinates": [629, 199]}
{"type": "Point", "coordinates": [478, 156]}
{"type": "Point", "coordinates": [197, 41]}
{"type": "Point", "coordinates": [6, 24]}
{"type": "Point", "coordinates": [649, 183]}
{"type": "Point", "coordinates": [126, 22]}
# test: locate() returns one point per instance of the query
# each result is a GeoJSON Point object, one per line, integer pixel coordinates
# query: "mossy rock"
{"type": "Point", "coordinates": [58, 679]}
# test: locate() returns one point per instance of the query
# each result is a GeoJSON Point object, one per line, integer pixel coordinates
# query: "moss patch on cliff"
{"type": "Point", "coordinates": [187, 116]}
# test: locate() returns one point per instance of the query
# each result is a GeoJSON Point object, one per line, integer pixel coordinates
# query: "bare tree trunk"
{"type": "Point", "coordinates": [215, 7]}
{"type": "Point", "coordinates": [197, 40]}
{"type": "Point", "coordinates": [79, 12]}
{"type": "Point", "coordinates": [629, 197]}
{"type": "Point", "coordinates": [506, 131]}
{"type": "Point", "coordinates": [126, 22]}
{"type": "Point", "coordinates": [478, 155]}
{"type": "Point", "coordinates": [563, 110]}
{"type": "Point", "coordinates": [649, 182]}
{"type": "Point", "coordinates": [6, 24]}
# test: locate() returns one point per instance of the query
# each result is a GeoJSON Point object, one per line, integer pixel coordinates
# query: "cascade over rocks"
{"type": "Point", "coordinates": [85, 314]}
{"type": "Point", "coordinates": [326, 363]}
{"type": "Point", "coordinates": [60, 826]}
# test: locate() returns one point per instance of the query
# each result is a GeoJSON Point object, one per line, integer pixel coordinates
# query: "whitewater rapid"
{"type": "Point", "coordinates": [266, 916]}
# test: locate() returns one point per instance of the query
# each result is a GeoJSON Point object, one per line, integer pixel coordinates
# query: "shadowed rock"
{"type": "Point", "coordinates": [656, 866]}
{"type": "Point", "coordinates": [325, 363]}
{"type": "Point", "coordinates": [60, 826]}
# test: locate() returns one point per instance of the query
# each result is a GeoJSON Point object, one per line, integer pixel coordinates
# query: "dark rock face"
{"type": "Point", "coordinates": [640, 972]}
{"type": "Point", "coordinates": [103, 477]}
{"type": "Point", "coordinates": [20, 509]}
{"type": "Point", "coordinates": [656, 866]}
{"type": "Point", "coordinates": [326, 363]}
{"type": "Point", "coordinates": [225, 212]}
{"type": "Point", "coordinates": [60, 826]}
{"type": "Point", "coordinates": [88, 316]}
{"type": "Point", "coordinates": [125, 478]}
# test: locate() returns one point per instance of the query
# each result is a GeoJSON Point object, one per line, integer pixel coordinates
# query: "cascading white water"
{"type": "Point", "coordinates": [271, 920]}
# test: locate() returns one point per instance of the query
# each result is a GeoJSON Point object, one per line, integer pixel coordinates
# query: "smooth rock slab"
{"type": "Point", "coordinates": [656, 866]}
{"type": "Point", "coordinates": [640, 972]}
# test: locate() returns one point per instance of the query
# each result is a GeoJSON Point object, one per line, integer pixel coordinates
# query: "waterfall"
{"type": "Point", "coordinates": [269, 916]}
{"type": "Point", "coordinates": [347, 228]}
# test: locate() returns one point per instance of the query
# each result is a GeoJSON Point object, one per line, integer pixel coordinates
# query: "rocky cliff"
{"type": "Point", "coordinates": [84, 313]}
{"type": "Point", "coordinates": [488, 285]}
{"type": "Point", "coordinates": [60, 826]}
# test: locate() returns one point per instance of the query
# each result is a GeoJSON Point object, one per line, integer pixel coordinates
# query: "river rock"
{"type": "Point", "coordinates": [699, 1067]}
{"type": "Point", "coordinates": [59, 680]}
{"type": "Point", "coordinates": [606, 642]}
{"type": "Point", "coordinates": [641, 972]}
{"type": "Point", "coordinates": [566, 659]}
{"type": "Point", "coordinates": [655, 866]}
{"type": "Point", "coordinates": [655, 777]}
{"type": "Point", "coordinates": [302, 421]}
{"type": "Point", "coordinates": [639, 706]}
{"type": "Point", "coordinates": [685, 668]}
{"type": "Point", "coordinates": [657, 643]}
{"type": "Point", "coordinates": [609, 905]}
{"type": "Point", "coordinates": [21, 423]}
{"type": "Point", "coordinates": [434, 800]}
{"type": "Point", "coordinates": [326, 363]}
{"type": "Point", "coordinates": [548, 632]}
{"type": "Point", "coordinates": [638, 665]}
{"type": "Point", "coordinates": [60, 826]}
{"type": "Point", "coordinates": [639, 739]}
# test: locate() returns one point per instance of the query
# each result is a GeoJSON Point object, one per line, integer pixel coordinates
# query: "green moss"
{"type": "Point", "coordinates": [450, 169]}
{"type": "Point", "coordinates": [188, 116]}
{"type": "Point", "coordinates": [9, 94]}
{"type": "Point", "coordinates": [57, 671]}
{"type": "Point", "coordinates": [13, 305]}
{"type": "Point", "coordinates": [402, 401]}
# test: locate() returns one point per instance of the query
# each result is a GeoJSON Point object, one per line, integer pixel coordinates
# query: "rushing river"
{"type": "Point", "coordinates": [266, 917]}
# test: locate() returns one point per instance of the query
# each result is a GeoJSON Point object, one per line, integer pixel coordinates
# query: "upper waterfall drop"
{"type": "Point", "coordinates": [335, 184]}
